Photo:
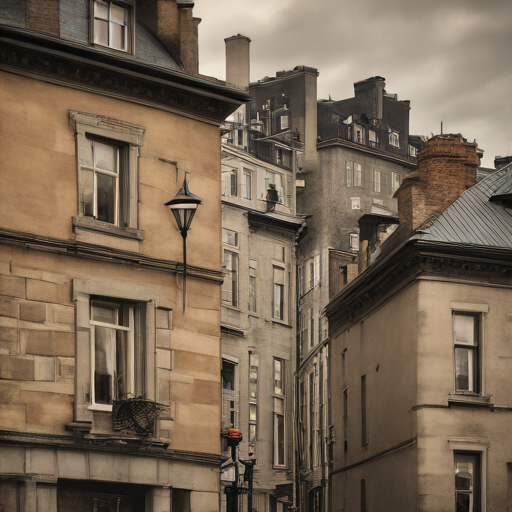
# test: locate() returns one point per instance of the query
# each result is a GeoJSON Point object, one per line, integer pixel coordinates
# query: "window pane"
{"type": "Point", "coordinates": [464, 369]}
{"type": "Point", "coordinates": [105, 156]}
{"type": "Point", "coordinates": [118, 14]}
{"type": "Point", "coordinates": [105, 198]}
{"type": "Point", "coordinates": [252, 434]}
{"type": "Point", "coordinates": [87, 192]}
{"type": "Point", "coordinates": [464, 329]}
{"type": "Point", "coordinates": [117, 36]}
{"type": "Point", "coordinates": [228, 376]}
{"type": "Point", "coordinates": [124, 365]}
{"type": "Point", "coordinates": [104, 339]}
{"type": "Point", "coordinates": [280, 439]}
{"type": "Point", "coordinates": [357, 175]}
{"type": "Point", "coordinates": [101, 9]}
{"type": "Point", "coordinates": [252, 412]}
{"type": "Point", "coordinates": [101, 32]}
{"type": "Point", "coordinates": [278, 376]}
{"type": "Point", "coordinates": [105, 313]}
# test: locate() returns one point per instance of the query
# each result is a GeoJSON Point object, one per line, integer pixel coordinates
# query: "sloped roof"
{"type": "Point", "coordinates": [472, 218]}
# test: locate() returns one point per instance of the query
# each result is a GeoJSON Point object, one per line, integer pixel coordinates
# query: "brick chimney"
{"type": "Point", "coordinates": [446, 168]}
{"type": "Point", "coordinates": [237, 61]}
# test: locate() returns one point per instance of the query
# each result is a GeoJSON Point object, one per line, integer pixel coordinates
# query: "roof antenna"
{"type": "Point", "coordinates": [441, 127]}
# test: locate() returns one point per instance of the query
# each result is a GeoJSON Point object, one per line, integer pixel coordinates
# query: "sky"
{"type": "Point", "coordinates": [451, 58]}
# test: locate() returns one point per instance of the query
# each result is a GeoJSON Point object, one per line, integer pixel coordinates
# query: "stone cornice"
{"type": "Point", "coordinates": [64, 63]}
{"type": "Point", "coordinates": [103, 253]}
{"type": "Point", "coordinates": [105, 445]}
{"type": "Point", "coordinates": [376, 153]}
{"type": "Point", "coordinates": [388, 277]}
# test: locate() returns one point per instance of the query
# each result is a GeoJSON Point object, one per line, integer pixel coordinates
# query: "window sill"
{"type": "Point", "coordinates": [100, 407]}
{"type": "Point", "coordinates": [479, 400]}
{"type": "Point", "coordinates": [230, 306]}
{"type": "Point", "coordinates": [91, 224]}
{"type": "Point", "coordinates": [281, 322]}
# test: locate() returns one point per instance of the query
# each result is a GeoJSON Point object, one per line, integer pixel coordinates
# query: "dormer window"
{"type": "Point", "coordinates": [112, 25]}
{"type": "Point", "coordinates": [358, 134]}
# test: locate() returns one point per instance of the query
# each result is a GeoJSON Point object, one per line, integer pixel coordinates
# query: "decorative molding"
{"type": "Point", "coordinates": [101, 253]}
{"type": "Point", "coordinates": [70, 70]}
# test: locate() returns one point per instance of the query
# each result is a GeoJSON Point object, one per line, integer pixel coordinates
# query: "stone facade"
{"type": "Point", "coordinates": [72, 250]}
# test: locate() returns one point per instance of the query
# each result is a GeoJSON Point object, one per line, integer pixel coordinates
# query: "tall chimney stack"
{"type": "Point", "coordinates": [446, 168]}
{"type": "Point", "coordinates": [237, 61]}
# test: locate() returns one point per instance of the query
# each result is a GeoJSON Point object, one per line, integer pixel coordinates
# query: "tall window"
{"type": "Point", "coordinates": [253, 396]}
{"type": "Point", "coordinates": [394, 138]}
{"type": "Point", "coordinates": [100, 169]}
{"type": "Point", "coordinates": [279, 294]}
{"type": "Point", "coordinates": [285, 122]}
{"type": "Point", "coordinates": [376, 181]}
{"type": "Point", "coordinates": [118, 346]}
{"type": "Point", "coordinates": [253, 265]}
{"type": "Point", "coordinates": [354, 241]}
{"type": "Point", "coordinates": [345, 420]}
{"type": "Point", "coordinates": [358, 134]}
{"type": "Point", "coordinates": [396, 181]}
{"type": "Point", "coordinates": [311, 418]}
{"type": "Point", "coordinates": [312, 274]}
{"type": "Point", "coordinates": [349, 168]}
{"type": "Point", "coordinates": [373, 139]}
{"type": "Point", "coordinates": [312, 327]}
{"type": "Point", "coordinates": [230, 284]}
{"type": "Point", "coordinates": [230, 182]}
{"type": "Point", "coordinates": [229, 419]}
{"type": "Point", "coordinates": [468, 482]}
{"type": "Point", "coordinates": [247, 185]}
{"type": "Point", "coordinates": [466, 332]}
{"type": "Point", "coordinates": [112, 25]}
{"type": "Point", "coordinates": [357, 174]}
{"type": "Point", "coordinates": [279, 413]}
{"type": "Point", "coordinates": [364, 416]}
{"type": "Point", "coordinates": [277, 180]}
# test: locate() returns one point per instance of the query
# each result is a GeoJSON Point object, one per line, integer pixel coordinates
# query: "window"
{"type": "Point", "coordinates": [229, 237]}
{"type": "Point", "coordinates": [277, 180]}
{"type": "Point", "coordinates": [107, 173]}
{"type": "Point", "coordinates": [376, 181]}
{"type": "Point", "coordinates": [372, 138]}
{"type": "Point", "coordinates": [252, 286]}
{"type": "Point", "coordinates": [345, 418]}
{"type": "Point", "coordinates": [279, 433]}
{"type": "Point", "coordinates": [285, 122]}
{"type": "Point", "coordinates": [112, 26]}
{"type": "Point", "coordinates": [230, 182]}
{"type": "Point", "coordinates": [394, 138]}
{"type": "Point", "coordinates": [229, 416]}
{"type": "Point", "coordinates": [312, 274]}
{"type": "Point", "coordinates": [466, 332]}
{"type": "Point", "coordinates": [354, 241]}
{"type": "Point", "coordinates": [253, 396]}
{"type": "Point", "coordinates": [355, 203]}
{"type": "Point", "coordinates": [312, 329]}
{"type": "Point", "coordinates": [230, 284]}
{"type": "Point", "coordinates": [312, 397]}
{"type": "Point", "coordinates": [358, 134]}
{"type": "Point", "coordinates": [119, 334]}
{"type": "Point", "coordinates": [413, 151]}
{"type": "Point", "coordinates": [279, 413]}
{"type": "Point", "coordinates": [468, 482]}
{"type": "Point", "coordinates": [118, 348]}
{"type": "Point", "coordinates": [278, 376]}
{"type": "Point", "coordinates": [396, 181]}
{"type": "Point", "coordinates": [364, 416]}
{"type": "Point", "coordinates": [240, 137]}
{"type": "Point", "coordinates": [357, 174]}
{"type": "Point", "coordinates": [279, 293]}
{"type": "Point", "coordinates": [247, 184]}
{"type": "Point", "coordinates": [349, 167]}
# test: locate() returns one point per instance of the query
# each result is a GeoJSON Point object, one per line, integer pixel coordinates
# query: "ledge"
{"type": "Point", "coordinates": [104, 227]}
{"type": "Point", "coordinates": [482, 401]}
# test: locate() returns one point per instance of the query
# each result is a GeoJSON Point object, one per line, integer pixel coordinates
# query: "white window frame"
{"type": "Point", "coordinates": [473, 349]}
{"type": "Point", "coordinates": [85, 291]}
{"type": "Point", "coordinates": [279, 292]}
{"type": "Point", "coordinates": [129, 32]}
{"type": "Point", "coordinates": [358, 173]}
{"type": "Point", "coordinates": [354, 241]}
{"type": "Point", "coordinates": [376, 181]}
{"type": "Point", "coordinates": [235, 261]}
{"type": "Point", "coordinates": [253, 286]}
{"type": "Point", "coordinates": [277, 415]}
{"type": "Point", "coordinates": [394, 138]}
{"type": "Point", "coordinates": [247, 184]}
{"type": "Point", "coordinates": [89, 127]}
{"type": "Point", "coordinates": [349, 173]}
{"type": "Point", "coordinates": [355, 203]}
{"type": "Point", "coordinates": [396, 181]}
{"type": "Point", "coordinates": [285, 122]}
{"type": "Point", "coordinates": [229, 189]}
{"type": "Point", "coordinates": [358, 134]}
{"type": "Point", "coordinates": [234, 397]}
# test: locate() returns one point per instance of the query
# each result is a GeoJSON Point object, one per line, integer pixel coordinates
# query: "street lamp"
{"type": "Point", "coordinates": [183, 207]}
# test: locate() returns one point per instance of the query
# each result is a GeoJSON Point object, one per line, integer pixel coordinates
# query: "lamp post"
{"type": "Point", "coordinates": [183, 207]}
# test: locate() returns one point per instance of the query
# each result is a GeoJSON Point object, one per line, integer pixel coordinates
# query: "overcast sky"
{"type": "Point", "coordinates": [451, 58]}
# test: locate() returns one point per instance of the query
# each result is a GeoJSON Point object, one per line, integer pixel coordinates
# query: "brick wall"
{"type": "Point", "coordinates": [446, 168]}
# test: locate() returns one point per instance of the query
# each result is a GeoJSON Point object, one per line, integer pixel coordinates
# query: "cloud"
{"type": "Point", "coordinates": [451, 59]}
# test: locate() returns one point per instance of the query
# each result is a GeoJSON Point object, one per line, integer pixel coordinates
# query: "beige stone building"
{"type": "Point", "coordinates": [420, 352]}
{"type": "Point", "coordinates": [102, 113]}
